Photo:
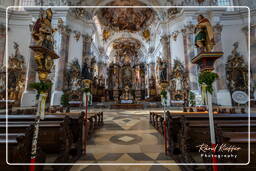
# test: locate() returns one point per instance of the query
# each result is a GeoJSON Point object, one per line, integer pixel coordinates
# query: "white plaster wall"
{"type": "Point", "coordinates": [20, 33]}
{"type": "Point", "coordinates": [75, 49]}
{"type": "Point", "coordinates": [232, 32]}
{"type": "Point", "coordinates": [177, 49]}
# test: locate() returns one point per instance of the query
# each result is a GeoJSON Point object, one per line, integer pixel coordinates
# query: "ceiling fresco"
{"type": "Point", "coordinates": [126, 47]}
{"type": "Point", "coordinates": [126, 19]}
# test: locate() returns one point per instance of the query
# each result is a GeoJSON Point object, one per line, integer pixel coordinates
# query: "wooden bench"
{"type": "Point", "coordinates": [185, 132]}
{"type": "Point", "coordinates": [19, 150]}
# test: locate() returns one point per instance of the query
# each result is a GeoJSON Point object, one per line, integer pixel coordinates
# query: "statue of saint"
{"type": "Point", "coordinates": [204, 38]}
{"type": "Point", "coordinates": [178, 81]}
{"type": "Point", "coordinates": [43, 31]}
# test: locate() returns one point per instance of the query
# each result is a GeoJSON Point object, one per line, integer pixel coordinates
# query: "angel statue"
{"type": "Point", "coordinates": [204, 37]}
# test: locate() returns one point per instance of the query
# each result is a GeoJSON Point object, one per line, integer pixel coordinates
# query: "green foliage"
{"type": "Point", "coordinates": [192, 98]}
{"type": "Point", "coordinates": [86, 90]}
{"type": "Point", "coordinates": [164, 94]}
{"type": "Point", "coordinates": [41, 87]}
{"type": "Point", "coordinates": [208, 78]}
{"type": "Point", "coordinates": [133, 92]}
{"type": "Point", "coordinates": [65, 100]}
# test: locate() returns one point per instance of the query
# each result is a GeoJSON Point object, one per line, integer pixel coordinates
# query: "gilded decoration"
{"type": "Point", "coordinates": [42, 34]}
{"type": "Point", "coordinates": [106, 34]}
{"type": "Point", "coordinates": [16, 74]}
{"type": "Point", "coordinates": [126, 49]}
{"type": "Point", "coordinates": [179, 82]}
{"type": "Point", "coordinates": [146, 34]}
{"type": "Point", "coordinates": [77, 35]}
{"type": "Point", "coordinates": [237, 71]}
{"type": "Point", "coordinates": [174, 35]}
{"type": "Point", "coordinates": [74, 81]}
{"type": "Point", "coordinates": [126, 19]}
{"type": "Point", "coordinates": [173, 12]}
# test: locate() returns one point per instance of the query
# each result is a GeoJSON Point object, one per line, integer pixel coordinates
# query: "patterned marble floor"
{"type": "Point", "coordinates": [126, 137]}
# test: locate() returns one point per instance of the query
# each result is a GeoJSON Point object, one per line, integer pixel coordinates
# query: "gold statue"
{"type": "Point", "coordinates": [146, 34]}
{"type": "Point", "coordinates": [43, 31]}
{"type": "Point", "coordinates": [106, 34]}
{"type": "Point", "coordinates": [44, 43]}
{"type": "Point", "coordinates": [204, 34]}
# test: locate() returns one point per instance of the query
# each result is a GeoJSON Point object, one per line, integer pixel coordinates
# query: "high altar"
{"type": "Point", "coordinates": [126, 82]}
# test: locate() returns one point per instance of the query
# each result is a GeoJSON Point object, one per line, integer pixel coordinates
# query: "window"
{"type": "Point", "coordinates": [226, 3]}
{"type": "Point", "coordinates": [27, 2]}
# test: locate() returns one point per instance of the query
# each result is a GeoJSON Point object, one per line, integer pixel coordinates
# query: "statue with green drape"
{"type": "Point", "coordinates": [204, 37]}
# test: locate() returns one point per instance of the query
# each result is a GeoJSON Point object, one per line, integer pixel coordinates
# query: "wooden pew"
{"type": "Point", "coordinates": [19, 151]}
{"type": "Point", "coordinates": [72, 127]}
{"type": "Point", "coordinates": [187, 131]}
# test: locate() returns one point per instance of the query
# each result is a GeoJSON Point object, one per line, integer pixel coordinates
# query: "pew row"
{"type": "Point", "coordinates": [186, 132]}
{"type": "Point", "coordinates": [59, 135]}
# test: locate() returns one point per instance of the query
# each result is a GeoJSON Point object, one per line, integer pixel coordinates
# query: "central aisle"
{"type": "Point", "coordinates": [126, 137]}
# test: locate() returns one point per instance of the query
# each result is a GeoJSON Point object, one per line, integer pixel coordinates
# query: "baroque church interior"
{"type": "Point", "coordinates": [127, 85]}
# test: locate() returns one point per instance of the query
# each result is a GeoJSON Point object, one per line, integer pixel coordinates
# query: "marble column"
{"type": "Point", "coordinates": [87, 43]}
{"type": "Point", "coordinates": [2, 43]}
{"type": "Point", "coordinates": [222, 95]}
{"type": "Point", "coordinates": [28, 97]}
{"type": "Point", "coordinates": [253, 55]}
{"type": "Point", "coordinates": [189, 53]}
{"type": "Point", "coordinates": [165, 40]}
{"type": "Point", "coordinates": [57, 91]}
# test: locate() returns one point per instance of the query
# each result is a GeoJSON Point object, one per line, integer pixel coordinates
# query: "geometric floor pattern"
{"type": "Point", "coordinates": [126, 137]}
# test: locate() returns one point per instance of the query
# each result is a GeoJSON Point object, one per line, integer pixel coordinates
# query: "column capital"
{"type": "Point", "coordinates": [188, 29]}
{"type": "Point", "coordinates": [165, 38]}
{"type": "Point", "coordinates": [87, 38]}
{"type": "Point", "coordinates": [217, 28]}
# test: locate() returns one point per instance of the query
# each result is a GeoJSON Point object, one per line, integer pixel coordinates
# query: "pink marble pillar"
{"type": "Point", "coordinates": [189, 53]}
{"type": "Point", "coordinates": [62, 64]}
{"type": "Point", "coordinates": [87, 43]}
{"type": "Point", "coordinates": [219, 64]}
{"type": "Point", "coordinates": [2, 43]}
{"type": "Point", "coordinates": [29, 95]}
{"type": "Point", "coordinates": [59, 83]}
{"type": "Point", "coordinates": [165, 40]}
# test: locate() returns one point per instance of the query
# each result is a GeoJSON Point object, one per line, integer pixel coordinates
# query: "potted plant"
{"type": "Point", "coordinates": [192, 98]}
{"type": "Point", "coordinates": [65, 101]}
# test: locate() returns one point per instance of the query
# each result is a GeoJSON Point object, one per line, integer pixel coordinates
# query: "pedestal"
{"type": "Point", "coordinates": [116, 95]}
{"type": "Point", "coordinates": [205, 60]}
{"type": "Point", "coordinates": [138, 94]}
{"type": "Point", "coordinates": [28, 99]}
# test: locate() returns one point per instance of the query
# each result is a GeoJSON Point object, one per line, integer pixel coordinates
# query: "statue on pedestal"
{"type": "Point", "coordinates": [204, 38]}
{"type": "Point", "coordinates": [44, 44]}
{"type": "Point", "coordinates": [162, 70]}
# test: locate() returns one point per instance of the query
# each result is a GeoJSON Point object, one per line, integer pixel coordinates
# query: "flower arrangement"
{"type": "Point", "coordinates": [41, 87]}
{"type": "Point", "coordinates": [192, 98]}
{"type": "Point", "coordinates": [207, 78]}
{"type": "Point", "coordinates": [163, 94]}
{"type": "Point", "coordinates": [65, 100]}
{"type": "Point", "coordinates": [86, 90]}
